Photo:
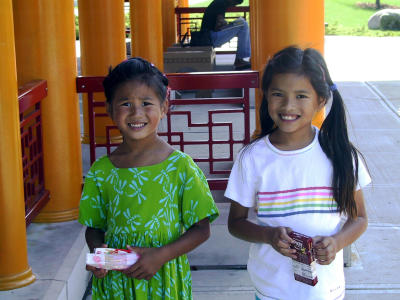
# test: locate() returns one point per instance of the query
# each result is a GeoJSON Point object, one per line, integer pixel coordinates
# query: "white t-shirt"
{"type": "Point", "coordinates": [293, 189]}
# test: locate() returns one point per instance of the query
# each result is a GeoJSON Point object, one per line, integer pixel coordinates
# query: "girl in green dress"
{"type": "Point", "coordinates": [145, 196]}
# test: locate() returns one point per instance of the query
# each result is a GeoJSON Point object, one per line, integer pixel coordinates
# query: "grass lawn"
{"type": "Point", "coordinates": [344, 17]}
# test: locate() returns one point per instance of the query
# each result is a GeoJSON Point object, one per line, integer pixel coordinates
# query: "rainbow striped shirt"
{"type": "Point", "coordinates": [295, 202]}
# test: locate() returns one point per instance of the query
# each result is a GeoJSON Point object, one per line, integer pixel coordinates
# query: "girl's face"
{"type": "Point", "coordinates": [292, 104]}
{"type": "Point", "coordinates": [137, 111]}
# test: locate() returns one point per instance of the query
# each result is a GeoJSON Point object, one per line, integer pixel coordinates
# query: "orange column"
{"type": "Point", "coordinates": [169, 23]}
{"type": "Point", "coordinates": [102, 42]}
{"type": "Point", "coordinates": [184, 3]}
{"type": "Point", "coordinates": [14, 269]}
{"type": "Point", "coordinates": [278, 24]}
{"type": "Point", "coordinates": [147, 40]}
{"type": "Point", "coordinates": [45, 48]}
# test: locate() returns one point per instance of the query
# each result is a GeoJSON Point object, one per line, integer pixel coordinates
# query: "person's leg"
{"type": "Point", "coordinates": [238, 28]}
{"type": "Point", "coordinates": [244, 48]}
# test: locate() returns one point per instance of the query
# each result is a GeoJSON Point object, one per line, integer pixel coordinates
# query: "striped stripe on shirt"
{"type": "Point", "coordinates": [296, 201]}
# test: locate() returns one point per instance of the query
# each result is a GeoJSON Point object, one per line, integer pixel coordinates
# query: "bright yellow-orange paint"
{"type": "Point", "coordinates": [278, 24]}
{"type": "Point", "coordinates": [184, 3]}
{"type": "Point", "coordinates": [14, 269]}
{"type": "Point", "coordinates": [147, 40]}
{"type": "Point", "coordinates": [54, 59]}
{"type": "Point", "coordinates": [102, 44]}
{"type": "Point", "coordinates": [169, 23]}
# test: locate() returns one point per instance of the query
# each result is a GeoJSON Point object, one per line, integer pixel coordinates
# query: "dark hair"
{"type": "Point", "coordinates": [136, 69]}
{"type": "Point", "coordinates": [333, 135]}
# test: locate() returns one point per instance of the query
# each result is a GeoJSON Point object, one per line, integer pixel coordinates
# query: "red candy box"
{"type": "Point", "coordinates": [304, 266]}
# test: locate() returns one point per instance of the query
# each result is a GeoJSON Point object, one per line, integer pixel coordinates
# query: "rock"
{"type": "Point", "coordinates": [385, 19]}
{"type": "Point", "coordinates": [390, 22]}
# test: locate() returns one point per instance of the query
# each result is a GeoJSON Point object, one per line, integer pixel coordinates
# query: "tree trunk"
{"type": "Point", "coordinates": [378, 4]}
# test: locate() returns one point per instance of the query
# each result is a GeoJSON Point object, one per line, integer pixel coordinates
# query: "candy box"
{"type": "Point", "coordinates": [304, 266]}
{"type": "Point", "coordinates": [111, 259]}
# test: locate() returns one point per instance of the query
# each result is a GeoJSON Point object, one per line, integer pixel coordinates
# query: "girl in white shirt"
{"type": "Point", "coordinates": [298, 178]}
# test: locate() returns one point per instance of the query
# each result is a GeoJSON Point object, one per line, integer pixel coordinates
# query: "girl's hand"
{"type": "Point", "coordinates": [280, 241]}
{"type": "Point", "coordinates": [98, 272]}
{"type": "Point", "coordinates": [150, 261]}
{"type": "Point", "coordinates": [325, 248]}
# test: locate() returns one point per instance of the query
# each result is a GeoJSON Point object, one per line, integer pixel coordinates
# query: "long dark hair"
{"type": "Point", "coordinates": [333, 135]}
{"type": "Point", "coordinates": [136, 69]}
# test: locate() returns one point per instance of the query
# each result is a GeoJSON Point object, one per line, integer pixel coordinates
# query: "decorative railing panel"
{"type": "Point", "coordinates": [211, 130]}
{"type": "Point", "coordinates": [36, 196]}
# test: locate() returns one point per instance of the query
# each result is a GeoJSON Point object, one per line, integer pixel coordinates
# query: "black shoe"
{"type": "Point", "coordinates": [241, 64]}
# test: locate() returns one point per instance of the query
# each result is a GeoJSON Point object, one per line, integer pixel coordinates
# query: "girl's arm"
{"type": "Point", "coordinates": [152, 259]}
{"type": "Point", "coordinates": [327, 247]}
{"type": "Point", "coordinates": [240, 227]}
{"type": "Point", "coordinates": [95, 239]}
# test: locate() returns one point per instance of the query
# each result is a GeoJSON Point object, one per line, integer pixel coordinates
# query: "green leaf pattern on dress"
{"type": "Point", "coordinates": [146, 207]}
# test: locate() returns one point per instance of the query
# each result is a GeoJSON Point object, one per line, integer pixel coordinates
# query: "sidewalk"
{"type": "Point", "coordinates": [372, 97]}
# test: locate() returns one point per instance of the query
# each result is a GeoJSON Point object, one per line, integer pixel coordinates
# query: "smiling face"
{"type": "Point", "coordinates": [292, 104]}
{"type": "Point", "coordinates": [137, 111]}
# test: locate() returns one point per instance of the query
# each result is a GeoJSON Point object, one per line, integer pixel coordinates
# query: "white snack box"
{"type": "Point", "coordinates": [111, 259]}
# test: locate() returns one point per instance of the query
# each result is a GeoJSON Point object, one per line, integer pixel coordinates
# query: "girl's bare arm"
{"type": "Point", "coordinates": [191, 239]}
{"type": "Point", "coordinates": [152, 259]}
{"type": "Point", "coordinates": [240, 227]}
{"type": "Point", "coordinates": [327, 247]}
{"type": "Point", "coordinates": [353, 228]}
{"type": "Point", "coordinates": [94, 238]}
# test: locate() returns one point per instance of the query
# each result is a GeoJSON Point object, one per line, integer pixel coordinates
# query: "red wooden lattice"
{"type": "Point", "coordinates": [189, 81]}
{"type": "Point", "coordinates": [36, 196]}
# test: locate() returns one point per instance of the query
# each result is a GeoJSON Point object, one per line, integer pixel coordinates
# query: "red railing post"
{"type": "Point", "coordinates": [36, 196]}
{"type": "Point", "coordinates": [178, 25]}
{"type": "Point", "coordinates": [92, 140]}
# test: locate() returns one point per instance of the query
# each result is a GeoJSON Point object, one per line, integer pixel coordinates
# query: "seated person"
{"type": "Point", "coordinates": [222, 32]}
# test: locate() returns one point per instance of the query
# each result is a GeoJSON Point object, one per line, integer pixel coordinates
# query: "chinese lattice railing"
{"type": "Point", "coordinates": [212, 142]}
{"type": "Point", "coordinates": [36, 196]}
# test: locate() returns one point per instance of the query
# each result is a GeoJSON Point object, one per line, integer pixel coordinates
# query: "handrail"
{"type": "Point", "coordinates": [185, 81]}
{"type": "Point", "coordinates": [35, 194]}
{"type": "Point", "coordinates": [223, 109]}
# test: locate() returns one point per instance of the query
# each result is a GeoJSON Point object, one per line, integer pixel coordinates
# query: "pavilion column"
{"type": "Point", "coordinates": [146, 22]}
{"type": "Point", "coordinates": [278, 24]}
{"type": "Point", "coordinates": [184, 3]}
{"type": "Point", "coordinates": [102, 42]}
{"type": "Point", "coordinates": [14, 269]}
{"type": "Point", "coordinates": [168, 23]}
{"type": "Point", "coordinates": [45, 49]}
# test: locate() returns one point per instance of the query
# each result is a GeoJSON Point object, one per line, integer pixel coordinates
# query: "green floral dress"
{"type": "Point", "coordinates": [147, 207]}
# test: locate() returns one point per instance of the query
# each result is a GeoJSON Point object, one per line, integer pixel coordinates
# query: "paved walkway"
{"type": "Point", "coordinates": [372, 97]}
